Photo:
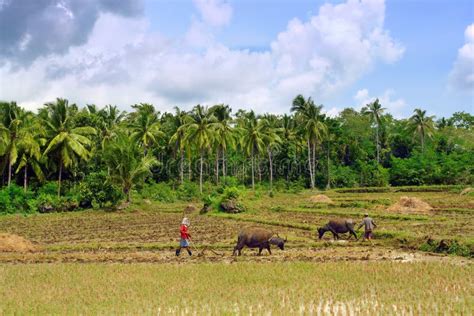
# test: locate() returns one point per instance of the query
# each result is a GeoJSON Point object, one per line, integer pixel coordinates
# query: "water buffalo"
{"type": "Point", "coordinates": [254, 237]}
{"type": "Point", "coordinates": [338, 226]}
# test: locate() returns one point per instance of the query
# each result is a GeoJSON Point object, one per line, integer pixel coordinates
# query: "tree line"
{"type": "Point", "coordinates": [65, 143]}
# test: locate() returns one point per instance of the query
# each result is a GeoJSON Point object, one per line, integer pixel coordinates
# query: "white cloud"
{"type": "Point", "coordinates": [394, 106]}
{"type": "Point", "coordinates": [214, 12]}
{"type": "Point", "coordinates": [462, 74]}
{"type": "Point", "coordinates": [318, 57]}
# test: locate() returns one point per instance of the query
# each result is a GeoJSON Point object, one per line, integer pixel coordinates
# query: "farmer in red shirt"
{"type": "Point", "coordinates": [185, 236]}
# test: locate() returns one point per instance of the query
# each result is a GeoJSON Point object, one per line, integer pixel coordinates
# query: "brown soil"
{"type": "Point", "coordinates": [320, 198]}
{"type": "Point", "coordinates": [15, 243]}
{"type": "Point", "coordinates": [410, 205]}
{"type": "Point", "coordinates": [323, 254]}
{"type": "Point", "coordinates": [190, 208]}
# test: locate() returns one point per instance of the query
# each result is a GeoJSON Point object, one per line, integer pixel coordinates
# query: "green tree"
{"type": "Point", "coordinates": [111, 117]}
{"type": "Point", "coordinates": [252, 139]}
{"type": "Point", "coordinates": [200, 131]}
{"type": "Point", "coordinates": [272, 140]}
{"type": "Point", "coordinates": [145, 126]}
{"type": "Point", "coordinates": [311, 127]}
{"type": "Point", "coordinates": [31, 137]}
{"type": "Point", "coordinates": [126, 162]}
{"type": "Point", "coordinates": [178, 138]}
{"type": "Point", "coordinates": [224, 135]}
{"type": "Point", "coordinates": [421, 125]}
{"type": "Point", "coordinates": [67, 143]}
{"type": "Point", "coordinates": [12, 122]}
{"type": "Point", "coordinates": [375, 110]}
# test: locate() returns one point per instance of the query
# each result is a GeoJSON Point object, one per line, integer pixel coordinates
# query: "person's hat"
{"type": "Point", "coordinates": [185, 221]}
{"type": "Point", "coordinates": [366, 214]}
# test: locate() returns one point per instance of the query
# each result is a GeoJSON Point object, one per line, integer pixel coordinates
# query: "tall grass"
{"type": "Point", "coordinates": [239, 288]}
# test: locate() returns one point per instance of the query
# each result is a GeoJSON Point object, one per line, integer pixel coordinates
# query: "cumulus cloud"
{"type": "Point", "coordinates": [29, 29]}
{"type": "Point", "coordinates": [214, 12]}
{"type": "Point", "coordinates": [387, 99]}
{"type": "Point", "coordinates": [317, 57]}
{"type": "Point", "coordinates": [462, 74]}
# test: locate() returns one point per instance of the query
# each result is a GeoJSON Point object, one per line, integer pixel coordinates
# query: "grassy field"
{"type": "Point", "coordinates": [79, 268]}
{"type": "Point", "coordinates": [241, 288]}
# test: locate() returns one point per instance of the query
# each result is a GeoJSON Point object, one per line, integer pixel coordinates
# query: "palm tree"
{"type": "Point", "coordinates": [311, 127]}
{"type": "Point", "coordinates": [224, 135]}
{"type": "Point", "coordinates": [178, 138]}
{"type": "Point", "coordinates": [126, 163]}
{"type": "Point", "coordinates": [12, 122]}
{"type": "Point", "coordinates": [271, 139]}
{"type": "Point", "coordinates": [111, 117]}
{"type": "Point", "coordinates": [375, 110]}
{"type": "Point", "coordinates": [252, 139]}
{"type": "Point", "coordinates": [67, 142]}
{"type": "Point", "coordinates": [30, 140]}
{"type": "Point", "coordinates": [421, 125]}
{"type": "Point", "coordinates": [145, 126]}
{"type": "Point", "coordinates": [199, 129]}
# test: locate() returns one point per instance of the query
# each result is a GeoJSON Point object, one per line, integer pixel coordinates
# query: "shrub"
{"type": "Point", "coordinates": [162, 192]}
{"type": "Point", "coordinates": [231, 193]}
{"type": "Point", "coordinates": [229, 201]}
{"type": "Point", "coordinates": [95, 189]}
{"type": "Point", "coordinates": [297, 186]}
{"type": "Point", "coordinates": [13, 199]}
{"type": "Point", "coordinates": [343, 177]}
{"type": "Point", "coordinates": [188, 191]}
{"type": "Point", "coordinates": [230, 181]}
{"type": "Point", "coordinates": [49, 188]}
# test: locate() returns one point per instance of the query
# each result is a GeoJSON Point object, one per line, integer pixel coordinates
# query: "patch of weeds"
{"type": "Point", "coordinates": [452, 247]}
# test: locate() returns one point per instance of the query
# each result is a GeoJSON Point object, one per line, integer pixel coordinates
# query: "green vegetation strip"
{"type": "Point", "coordinates": [264, 221]}
{"type": "Point", "coordinates": [238, 288]}
{"type": "Point", "coordinates": [356, 213]}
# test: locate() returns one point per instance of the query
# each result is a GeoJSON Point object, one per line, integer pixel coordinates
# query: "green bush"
{"type": "Point", "coordinates": [96, 190]}
{"type": "Point", "coordinates": [162, 192]}
{"type": "Point", "coordinates": [13, 199]}
{"type": "Point", "coordinates": [343, 177]}
{"type": "Point", "coordinates": [188, 191]}
{"type": "Point", "coordinates": [231, 193]}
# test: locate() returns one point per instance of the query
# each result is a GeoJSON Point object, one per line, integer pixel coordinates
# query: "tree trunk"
{"type": "Point", "coordinates": [377, 143]}
{"type": "Point", "coordinates": [328, 186]}
{"type": "Point", "coordinates": [224, 167]}
{"type": "Point", "coordinates": [310, 166]}
{"type": "Point", "coordinates": [200, 173]}
{"type": "Point", "coordinates": [217, 166]}
{"type": "Point", "coordinates": [253, 172]}
{"type": "Point", "coordinates": [271, 168]}
{"type": "Point", "coordinates": [181, 167]}
{"type": "Point", "coordinates": [127, 194]}
{"type": "Point", "coordinates": [189, 170]}
{"type": "Point", "coordinates": [9, 171]}
{"type": "Point", "coordinates": [59, 178]}
{"type": "Point", "coordinates": [259, 169]}
{"type": "Point", "coordinates": [314, 165]}
{"type": "Point", "coordinates": [25, 178]}
{"type": "Point", "coordinates": [422, 145]}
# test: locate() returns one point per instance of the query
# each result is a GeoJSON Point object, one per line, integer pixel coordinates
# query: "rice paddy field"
{"type": "Point", "coordinates": [123, 262]}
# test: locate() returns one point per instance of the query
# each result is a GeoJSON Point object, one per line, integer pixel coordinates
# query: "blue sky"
{"type": "Point", "coordinates": [244, 53]}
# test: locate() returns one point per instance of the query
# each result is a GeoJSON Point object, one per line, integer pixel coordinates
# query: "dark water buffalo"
{"type": "Point", "coordinates": [254, 237]}
{"type": "Point", "coordinates": [338, 226]}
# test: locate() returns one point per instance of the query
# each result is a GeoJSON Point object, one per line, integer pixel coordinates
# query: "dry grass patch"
{"type": "Point", "coordinates": [411, 205]}
{"type": "Point", "coordinates": [320, 198]}
{"type": "Point", "coordinates": [15, 243]}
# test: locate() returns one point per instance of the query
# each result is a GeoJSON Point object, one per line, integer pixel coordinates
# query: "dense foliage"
{"type": "Point", "coordinates": [98, 156]}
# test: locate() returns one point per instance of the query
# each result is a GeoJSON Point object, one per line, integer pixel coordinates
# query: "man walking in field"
{"type": "Point", "coordinates": [185, 236]}
{"type": "Point", "coordinates": [369, 226]}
